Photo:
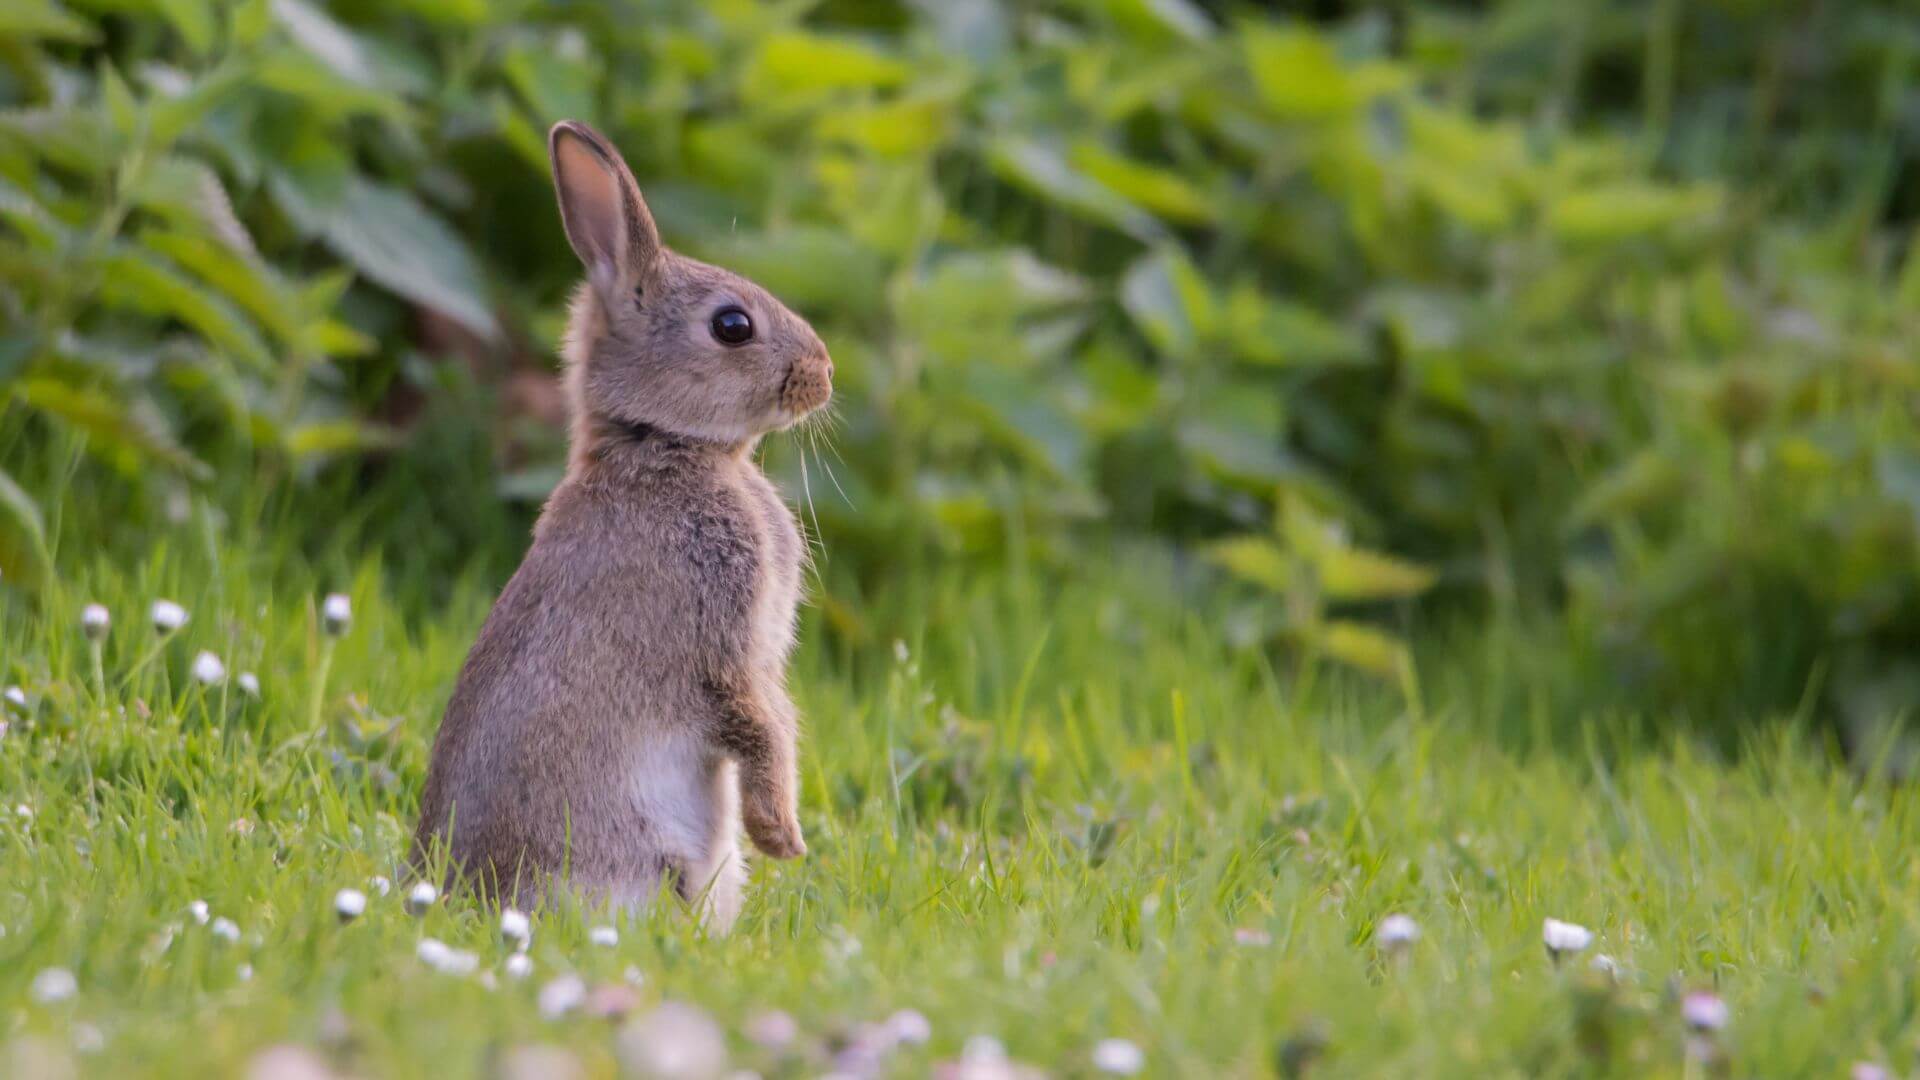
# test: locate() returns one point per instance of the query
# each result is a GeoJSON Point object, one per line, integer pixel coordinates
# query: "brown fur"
{"type": "Point", "coordinates": [624, 710]}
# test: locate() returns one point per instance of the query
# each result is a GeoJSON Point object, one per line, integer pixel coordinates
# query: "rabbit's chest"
{"type": "Point", "coordinates": [778, 585]}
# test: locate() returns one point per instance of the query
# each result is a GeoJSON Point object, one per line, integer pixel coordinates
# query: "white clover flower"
{"type": "Point", "coordinates": [53, 985]}
{"type": "Point", "coordinates": [446, 959]}
{"type": "Point", "coordinates": [515, 928]}
{"type": "Point", "coordinates": [95, 619]}
{"type": "Point", "coordinates": [198, 909]}
{"type": "Point", "coordinates": [674, 1040]}
{"type": "Point", "coordinates": [421, 897]}
{"type": "Point", "coordinates": [909, 1026]}
{"type": "Point", "coordinates": [1397, 932]}
{"type": "Point", "coordinates": [772, 1029]}
{"type": "Point", "coordinates": [1564, 938]}
{"type": "Point", "coordinates": [561, 995]}
{"type": "Point", "coordinates": [1118, 1057]}
{"type": "Point", "coordinates": [167, 617]}
{"type": "Point", "coordinates": [1869, 1070]}
{"type": "Point", "coordinates": [249, 683]}
{"type": "Point", "coordinates": [983, 1048]}
{"type": "Point", "coordinates": [380, 884]}
{"type": "Point", "coordinates": [244, 973]}
{"type": "Point", "coordinates": [1252, 937]}
{"type": "Point", "coordinates": [23, 811]}
{"type": "Point", "coordinates": [208, 670]}
{"type": "Point", "coordinates": [604, 936]}
{"type": "Point", "coordinates": [336, 613]}
{"type": "Point", "coordinates": [16, 697]}
{"type": "Point", "coordinates": [519, 966]}
{"type": "Point", "coordinates": [1703, 1011]}
{"type": "Point", "coordinates": [226, 930]}
{"type": "Point", "coordinates": [633, 975]}
{"type": "Point", "coordinates": [900, 653]}
{"type": "Point", "coordinates": [88, 1038]}
{"type": "Point", "coordinates": [1605, 965]}
{"type": "Point", "coordinates": [349, 904]}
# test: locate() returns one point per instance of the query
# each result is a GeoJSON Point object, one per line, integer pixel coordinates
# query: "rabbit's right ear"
{"type": "Point", "coordinates": [607, 221]}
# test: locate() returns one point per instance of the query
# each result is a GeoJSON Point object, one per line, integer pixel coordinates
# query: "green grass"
{"type": "Point", "coordinates": [1057, 812]}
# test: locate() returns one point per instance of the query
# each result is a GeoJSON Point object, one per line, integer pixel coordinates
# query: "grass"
{"type": "Point", "coordinates": [1054, 812]}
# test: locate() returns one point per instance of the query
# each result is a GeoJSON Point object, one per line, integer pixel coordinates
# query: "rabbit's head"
{"type": "Point", "coordinates": [665, 341]}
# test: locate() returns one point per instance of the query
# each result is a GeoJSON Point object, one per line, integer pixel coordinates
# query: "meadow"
{"type": "Point", "coordinates": [1051, 814]}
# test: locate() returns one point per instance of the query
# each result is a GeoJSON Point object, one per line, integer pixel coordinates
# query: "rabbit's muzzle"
{"type": "Point", "coordinates": [809, 384]}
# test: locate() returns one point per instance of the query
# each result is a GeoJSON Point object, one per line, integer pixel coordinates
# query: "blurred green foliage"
{"type": "Point", "coordinates": [1594, 306]}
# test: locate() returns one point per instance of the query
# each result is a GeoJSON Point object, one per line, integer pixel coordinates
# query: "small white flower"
{"type": "Point", "coordinates": [1870, 1070]}
{"type": "Point", "coordinates": [1565, 937]}
{"type": "Point", "coordinates": [349, 904]}
{"type": "Point", "coordinates": [515, 929]}
{"type": "Point", "coordinates": [633, 975]}
{"type": "Point", "coordinates": [1605, 965]}
{"type": "Point", "coordinates": [561, 996]}
{"type": "Point", "coordinates": [604, 936]}
{"type": "Point", "coordinates": [244, 973]}
{"type": "Point", "coordinates": [446, 959]}
{"type": "Point", "coordinates": [1704, 1011]}
{"type": "Point", "coordinates": [168, 616]}
{"type": "Point", "coordinates": [88, 1038]}
{"type": "Point", "coordinates": [519, 966]}
{"type": "Point", "coordinates": [1397, 932]}
{"type": "Point", "coordinates": [900, 653]}
{"type": "Point", "coordinates": [979, 1048]}
{"type": "Point", "coordinates": [336, 613]}
{"type": "Point", "coordinates": [421, 897]}
{"type": "Point", "coordinates": [1252, 937]}
{"type": "Point", "coordinates": [249, 683]}
{"type": "Point", "coordinates": [1119, 1057]}
{"type": "Point", "coordinates": [198, 909]}
{"type": "Point", "coordinates": [226, 930]}
{"type": "Point", "coordinates": [208, 670]}
{"type": "Point", "coordinates": [772, 1029]}
{"type": "Point", "coordinates": [674, 1040]}
{"type": "Point", "coordinates": [379, 884]}
{"type": "Point", "coordinates": [53, 985]}
{"type": "Point", "coordinates": [23, 811]}
{"type": "Point", "coordinates": [909, 1026]}
{"type": "Point", "coordinates": [16, 697]}
{"type": "Point", "coordinates": [94, 621]}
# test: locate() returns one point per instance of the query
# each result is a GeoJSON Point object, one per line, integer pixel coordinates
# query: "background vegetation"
{"type": "Point", "coordinates": [1592, 310]}
{"type": "Point", "coordinates": [1521, 377]}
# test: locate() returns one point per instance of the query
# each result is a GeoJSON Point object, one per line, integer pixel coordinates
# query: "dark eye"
{"type": "Point", "coordinates": [732, 327]}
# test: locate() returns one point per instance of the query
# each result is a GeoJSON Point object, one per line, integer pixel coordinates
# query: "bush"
{"type": "Point", "coordinates": [1484, 290]}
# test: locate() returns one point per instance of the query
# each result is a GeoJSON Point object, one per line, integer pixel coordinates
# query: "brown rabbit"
{"type": "Point", "coordinates": [625, 707]}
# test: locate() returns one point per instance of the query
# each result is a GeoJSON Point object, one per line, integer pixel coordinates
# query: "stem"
{"type": "Point", "coordinates": [99, 674]}
{"type": "Point", "coordinates": [320, 683]}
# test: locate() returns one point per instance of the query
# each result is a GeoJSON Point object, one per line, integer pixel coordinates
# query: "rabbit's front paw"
{"type": "Point", "coordinates": [776, 833]}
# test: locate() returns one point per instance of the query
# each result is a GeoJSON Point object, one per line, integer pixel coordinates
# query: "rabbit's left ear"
{"type": "Point", "coordinates": [607, 221]}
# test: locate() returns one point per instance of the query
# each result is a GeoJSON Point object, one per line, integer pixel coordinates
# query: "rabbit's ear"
{"type": "Point", "coordinates": [607, 221]}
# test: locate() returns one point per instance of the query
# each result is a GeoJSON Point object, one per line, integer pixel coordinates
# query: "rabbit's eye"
{"type": "Point", "coordinates": [731, 326]}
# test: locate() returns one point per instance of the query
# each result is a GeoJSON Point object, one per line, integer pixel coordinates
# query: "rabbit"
{"type": "Point", "coordinates": [624, 710]}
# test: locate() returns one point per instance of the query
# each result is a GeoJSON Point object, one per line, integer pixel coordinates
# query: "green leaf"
{"type": "Point", "coordinates": [1647, 479]}
{"type": "Point", "coordinates": [1161, 190]}
{"type": "Point", "coordinates": [1169, 301]}
{"type": "Point", "coordinates": [143, 282]}
{"type": "Point", "coordinates": [43, 19]}
{"type": "Point", "coordinates": [1348, 573]}
{"type": "Point", "coordinates": [1253, 558]}
{"type": "Point", "coordinates": [387, 235]}
{"type": "Point", "coordinates": [24, 558]}
{"type": "Point", "coordinates": [1357, 645]}
{"type": "Point", "coordinates": [131, 436]}
{"type": "Point", "coordinates": [1626, 209]}
{"type": "Point", "coordinates": [1040, 168]}
{"type": "Point", "coordinates": [792, 62]}
{"type": "Point", "coordinates": [1298, 74]}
